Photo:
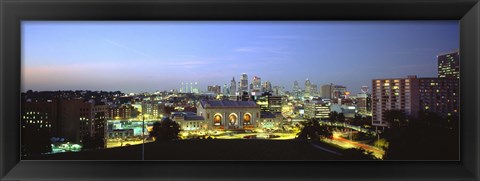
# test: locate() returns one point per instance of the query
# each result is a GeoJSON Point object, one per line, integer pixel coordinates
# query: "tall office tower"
{"type": "Point", "coordinates": [327, 91]}
{"type": "Point", "coordinates": [439, 95]}
{"type": "Point", "coordinates": [449, 65]}
{"type": "Point", "coordinates": [307, 87]}
{"type": "Point", "coordinates": [296, 90]}
{"type": "Point", "coordinates": [233, 87]}
{"type": "Point", "coordinates": [239, 89]}
{"type": "Point", "coordinates": [257, 83]}
{"type": "Point", "coordinates": [394, 94]}
{"type": "Point", "coordinates": [244, 82]}
{"type": "Point", "coordinates": [226, 90]}
{"type": "Point", "coordinates": [267, 86]}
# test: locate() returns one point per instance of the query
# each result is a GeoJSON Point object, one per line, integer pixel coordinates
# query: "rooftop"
{"type": "Point", "coordinates": [227, 103]}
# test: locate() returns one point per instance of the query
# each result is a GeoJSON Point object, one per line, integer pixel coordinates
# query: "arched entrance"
{"type": "Point", "coordinates": [247, 119]}
{"type": "Point", "coordinates": [217, 119]}
{"type": "Point", "coordinates": [232, 120]}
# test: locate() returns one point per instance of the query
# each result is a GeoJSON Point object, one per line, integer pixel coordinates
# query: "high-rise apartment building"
{"type": "Point", "coordinates": [411, 95]}
{"type": "Point", "coordinates": [449, 65]}
{"type": "Point", "coordinates": [394, 94]}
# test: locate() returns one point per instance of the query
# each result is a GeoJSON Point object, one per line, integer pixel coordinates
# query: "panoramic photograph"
{"type": "Point", "coordinates": [240, 90]}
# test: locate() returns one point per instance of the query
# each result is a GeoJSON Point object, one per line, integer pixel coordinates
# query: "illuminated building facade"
{"type": "Point", "coordinates": [122, 112]}
{"type": "Point", "coordinates": [439, 95]}
{"type": "Point", "coordinates": [449, 65]}
{"type": "Point", "coordinates": [269, 120]}
{"type": "Point", "coordinates": [394, 94]}
{"type": "Point", "coordinates": [189, 121]}
{"type": "Point", "coordinates": [229, 115]}
{"type": "Point", "coordinates": [153, 109]}
{"type": "Point", "coordinates": [317, 109]}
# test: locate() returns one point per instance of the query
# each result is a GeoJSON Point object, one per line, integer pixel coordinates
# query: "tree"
{"type": "Point", "coordinates": [313, 131]}
{"type": "Point", "coordinates": [395, 118]}
{"type": "Point", "coordinates": [166, 129]}
{"type": "Point", "coordinates": [427, 138]}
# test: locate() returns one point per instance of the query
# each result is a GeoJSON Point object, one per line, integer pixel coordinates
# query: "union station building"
{"type": "Point", "coordinates": [229, 115]}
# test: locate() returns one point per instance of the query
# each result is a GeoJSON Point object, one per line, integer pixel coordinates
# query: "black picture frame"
{"type": "Point", "coordinates": [12, 12]}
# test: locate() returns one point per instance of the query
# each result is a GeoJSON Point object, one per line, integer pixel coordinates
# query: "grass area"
{"type": "Point", "coordinates": [215, 149]}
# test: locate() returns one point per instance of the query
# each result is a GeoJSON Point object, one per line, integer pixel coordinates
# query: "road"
{"type": "Point", "coordinates": [345, 143]}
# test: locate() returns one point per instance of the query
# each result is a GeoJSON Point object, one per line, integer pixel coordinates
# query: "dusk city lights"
{"type": "Point", "coordinates": [240, 90]}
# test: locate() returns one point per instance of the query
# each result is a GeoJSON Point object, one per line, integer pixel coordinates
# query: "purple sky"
{"type": "Point", "coordinates": [134, 56]}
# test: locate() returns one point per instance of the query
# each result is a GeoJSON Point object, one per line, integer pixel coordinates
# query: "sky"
{"type": "Point", "coordinates": [146, 56]}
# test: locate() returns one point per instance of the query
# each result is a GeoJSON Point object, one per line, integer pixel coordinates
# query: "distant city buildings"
{"type": "Point", "coordinates": [214, 89]}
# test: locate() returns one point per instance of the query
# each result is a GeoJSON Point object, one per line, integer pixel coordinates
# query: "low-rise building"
{"type": "Point", "coordinates": [189, 121]}
{"type": "Point", "coordinates": [229, 115]}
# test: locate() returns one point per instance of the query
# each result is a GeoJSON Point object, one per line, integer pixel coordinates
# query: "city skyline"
{"type": "Point", "coordinates": [151, 56]}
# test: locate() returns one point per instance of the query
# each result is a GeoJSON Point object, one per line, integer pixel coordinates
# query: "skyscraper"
{"type": "Point", "coordinates": [307, 88]}
{"type": "Point", "coordinates": [233, 87]}
{"type": "Point", "coordinates": [267, 86]}
{"type": "Point", "coordinates": [296, 90]}
{"type": "Point", "coordinates": [257, 83]}
{"type": "Point", "coordinates": [449, 65]}
{"type": "Point", "coordinates": [226, 90]}
{"type": "Point", "coordinates": [244, 82]}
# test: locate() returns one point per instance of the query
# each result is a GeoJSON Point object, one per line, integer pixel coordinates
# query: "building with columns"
{"type": "Point", "coordinates": [229, 115]}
